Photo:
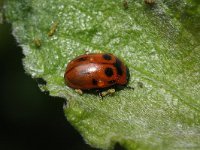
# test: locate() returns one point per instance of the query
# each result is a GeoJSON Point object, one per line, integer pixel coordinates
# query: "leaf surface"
{"type": "Point", "coordinates": [160, 45]}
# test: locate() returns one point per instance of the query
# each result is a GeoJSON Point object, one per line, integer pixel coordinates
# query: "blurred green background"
{"type": "Point", "coordinates": [29, 118]}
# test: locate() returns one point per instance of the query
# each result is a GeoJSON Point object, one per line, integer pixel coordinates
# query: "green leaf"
{"type": "Point", "coordinates": [160, 45]}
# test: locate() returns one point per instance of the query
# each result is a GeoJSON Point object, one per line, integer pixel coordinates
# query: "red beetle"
{"type": "Point", "coordinates": [96, 71]}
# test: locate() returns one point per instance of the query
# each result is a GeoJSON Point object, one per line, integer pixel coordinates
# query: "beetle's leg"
{"type": "Point", "coordinates": [79, 91]}
{"type": "Point", "coordinates": [99, 93]}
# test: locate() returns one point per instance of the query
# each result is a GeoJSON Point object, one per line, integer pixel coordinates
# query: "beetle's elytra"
{"type": "Point", "coordinates": [96, 71]}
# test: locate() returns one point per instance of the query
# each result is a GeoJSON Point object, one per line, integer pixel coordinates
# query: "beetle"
{"type": "Point", "coordinates": [96, 71]}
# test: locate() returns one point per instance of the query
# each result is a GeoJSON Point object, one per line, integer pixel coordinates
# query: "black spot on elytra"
{"type": "Point", "coordinates": [107, 57]}
{"type": "Point", "coordinates": [118, 65]}
{"type": "Point", "coordinates": [94, 81]}
{"type": "Point", "coordinates": [111, 82]}
{"type": "Point", "coordinates": [109, 72]}
{"type": "Point", "coordinates": [82, 59]}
